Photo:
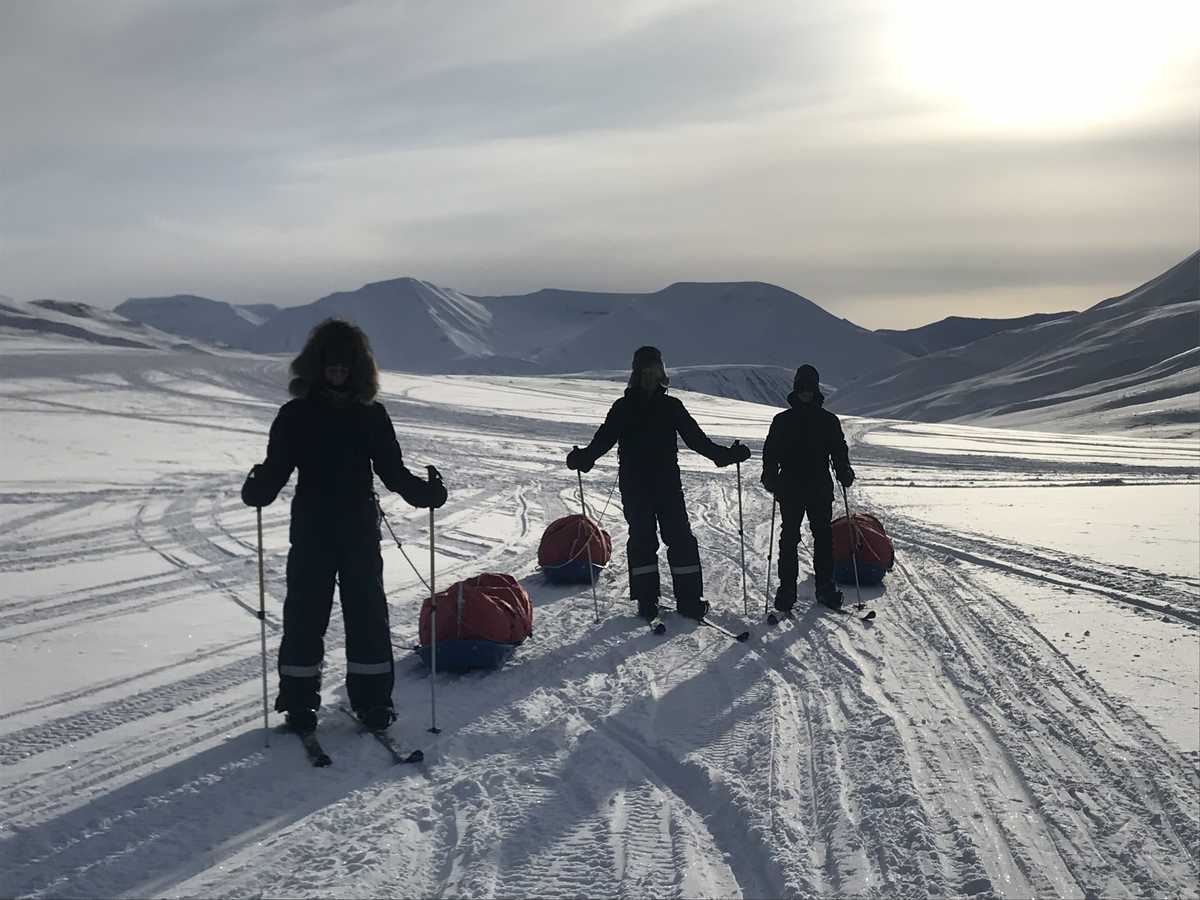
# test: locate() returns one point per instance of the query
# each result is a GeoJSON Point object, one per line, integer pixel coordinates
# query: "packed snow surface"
{"type": "Point", "coordinates": [1022, 719]}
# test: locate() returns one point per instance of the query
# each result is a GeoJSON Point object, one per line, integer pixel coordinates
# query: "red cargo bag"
{"type": "Point", "coordinates": [480, 622]}
{"type": "Point", "coordinates": [568, 545]}
{"type": "Point", "coordinates": [873, 551]}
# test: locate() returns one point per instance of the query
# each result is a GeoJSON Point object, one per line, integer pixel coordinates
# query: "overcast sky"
{"type": "Point", "coordinates": [894, 162]}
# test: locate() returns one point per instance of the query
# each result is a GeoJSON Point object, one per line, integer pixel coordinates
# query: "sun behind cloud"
{"type": "Point", "coordinates": [1024, 65]}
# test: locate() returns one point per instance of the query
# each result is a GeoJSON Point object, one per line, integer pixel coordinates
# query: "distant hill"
{"type": "Point", "coordinates": [413, 325]}
{"type": "Point", "coordinates": [1132, 358]}
{"type": "Point", "coordinates": [211, 321]}
{"type": "Point", "coordinates": [1125, 362]}
{"type": "Point", "coordinates": [956, 331]}
{"type": "Point", "coordinates": [69, 324]}
{"type": "Point", "coordinates": [722, 323]}
{"type": "Point", "coordinates": [418, 326]}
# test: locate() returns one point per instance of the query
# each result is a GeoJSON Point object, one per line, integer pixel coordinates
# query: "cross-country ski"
{"type": "Point", "coordinates": [313, 749]}
{"type": "Point", "coordinates": [387, 741]}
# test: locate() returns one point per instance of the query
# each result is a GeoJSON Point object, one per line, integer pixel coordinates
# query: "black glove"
{"type": "Point", "coordinates": [770, 483]}
{"type": "Point", "coordinates": [578, 459]}
{"type": "Point", "coordinates": [738, 453]}
{"type": "Point", "coordinates": [254, 492]}
{"type": "Point", "coordinates": [846, 477]}
{"type": "Point", "coordinates": [437, 490]}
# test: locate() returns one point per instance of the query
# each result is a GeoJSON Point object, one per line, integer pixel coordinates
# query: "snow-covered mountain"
{"type": "Point", "coordinates": [957, 331]}
{"type": "Point", "coordinates": [47, 325]}
{"type": "Point", "coordinates": [1125, 362]}
{"type": "Point", "coordinates": [211, 321]}
{"type": "Point", "coordinates": [413, 325]}
{"type": "Point", "coordinates": [737, 323]}
{"type": "Point", "coordinates": [1132, 358]}
{"type": "Point", "coordinates": [418, 326]}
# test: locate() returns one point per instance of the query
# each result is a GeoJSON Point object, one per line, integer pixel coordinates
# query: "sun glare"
{"type": "Point", "coordinates": [1023, 64]}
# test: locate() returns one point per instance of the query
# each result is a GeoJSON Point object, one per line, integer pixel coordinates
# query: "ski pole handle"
{"type": "Point", "coordinates": [582, 502]}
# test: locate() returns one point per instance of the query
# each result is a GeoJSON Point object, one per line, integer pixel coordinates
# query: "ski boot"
{"type": "Point", "coordinates": [301, 721]}
{"type": "Point", "coordinates": [694, 609]}
{"type": "Point", "coordinates": [784, 601]}
{"type": "Point", "coordinates": [648, 609]}
{"type": "Point", "coordinates": [377, 718]}
{"type": "Point", "coordinates": [829, 596]}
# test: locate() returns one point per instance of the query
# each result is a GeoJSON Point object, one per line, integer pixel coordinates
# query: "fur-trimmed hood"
{"type": "Point", "coordinates": [336, 340]}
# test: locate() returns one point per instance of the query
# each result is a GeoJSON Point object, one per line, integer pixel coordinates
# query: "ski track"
{"type": "Point", "coordinates": [947, 750]}
{"type": "Point", "coordinates": [1153, 591]}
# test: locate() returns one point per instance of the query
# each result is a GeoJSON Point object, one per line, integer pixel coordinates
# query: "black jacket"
{"type": "Point", "coordinates": [800, 446]}
{"type": "Point", "coordinates": [644, 426]}
{"type": "Point", "coordinates": [334, 444]}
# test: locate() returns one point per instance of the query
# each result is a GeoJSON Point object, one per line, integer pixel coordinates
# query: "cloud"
{"type": "Point", "coordinates": [280, 151]}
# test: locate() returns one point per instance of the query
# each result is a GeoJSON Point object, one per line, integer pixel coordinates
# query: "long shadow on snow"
{"type": "Point", "coordinates": [582, 788]}
{"type": "Point", "coordinates": [190, 815]}
{"type": "Point", "coordinates": [179, 820]}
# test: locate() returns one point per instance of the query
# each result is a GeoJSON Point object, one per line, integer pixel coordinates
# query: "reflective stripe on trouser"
{"type": "Point", "coordinates": [792, 508]}
{"type": "Point", "coordinates": [648, 513]}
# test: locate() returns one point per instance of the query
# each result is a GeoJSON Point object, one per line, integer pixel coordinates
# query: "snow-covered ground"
{"type": "Point", "coordinates": [1022, 719]}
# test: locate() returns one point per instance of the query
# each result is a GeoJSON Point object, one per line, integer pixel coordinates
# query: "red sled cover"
{"type": "Point", "coordinates": [569, 539]}
{"type": "Point", "coordinates": [488, 607]}
{"type": "Point", "coordinates": [871, 546]}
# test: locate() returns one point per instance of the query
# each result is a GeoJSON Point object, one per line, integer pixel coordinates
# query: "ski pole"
{"type": "Point", "coordinates": [432, 636]}
{"type": "Point", "coordinates": [853, 555]}
{"type": "Point", "coordinates": [742, 539]}
{"type": "Point", "coordinates": [588, 539]}
{"type": "Point", "coordinates": [262, 627]}
{"type": "Point", "coordinates": [770, 554]}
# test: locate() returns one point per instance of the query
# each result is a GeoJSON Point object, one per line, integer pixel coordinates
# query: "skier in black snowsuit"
{"type": "Point", "coordinates": [802, 444]}
{"type": "Point", "coordinates": [333, 431]}
{"type": "Point", "coordinates": [644, 424]}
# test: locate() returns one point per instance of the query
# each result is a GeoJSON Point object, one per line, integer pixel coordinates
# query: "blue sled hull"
{"type": "Point", "coordinates": [463, 656]}
{"type": "Point", "coordinates": [577, 571]}
{"type": "Point", "coordinates": [868, 575]}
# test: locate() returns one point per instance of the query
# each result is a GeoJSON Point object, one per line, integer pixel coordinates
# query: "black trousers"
{"type": "Point", "coordinates": [795, 502]}
{"type": "Point", "coordinates": [652, 506]}
{"type": "Point", "coordinates": [345, 548]}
